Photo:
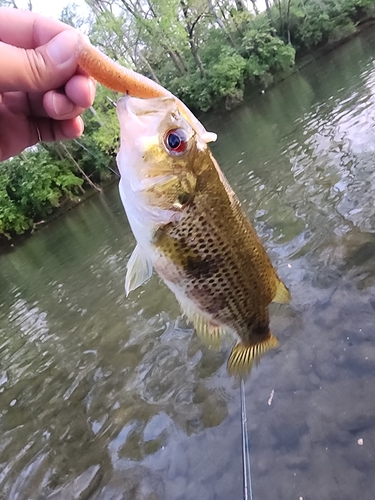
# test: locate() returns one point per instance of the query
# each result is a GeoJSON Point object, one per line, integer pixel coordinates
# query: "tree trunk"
{"type": "Point", "coordinates": [240, 6]}
{"type": "Point", "coordinates": [175, 59]}
{"type": "Point", "coordinates": [221, 25]}
{"type": "Point", "coordinates": [190, 31]}
{"type": "Point", "coordinates": [255, 7]}
{"type": "Point", "coordinates": [173, 54]}
{"type": "Point", "coordinates": [149, 67]}
{"type": "Point", "coordinates": [197, 59]}
{"type": "Point", "coordinates": [282, 23]}
{"type": "Point", "coordinates": [97, 6]}
{"type": "Point", "coordinates": [268, 7]}
{"type": "Point", "coordinates": [288, 20]}
{"type": "Point", "coordinates": [138, 54]}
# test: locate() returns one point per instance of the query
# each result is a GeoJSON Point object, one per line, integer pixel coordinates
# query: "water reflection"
{"type": "Point", "coordinates": [103, 397]}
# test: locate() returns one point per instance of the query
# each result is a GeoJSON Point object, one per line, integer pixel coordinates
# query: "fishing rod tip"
{"type": "Point", "coordinates": [112, 102]}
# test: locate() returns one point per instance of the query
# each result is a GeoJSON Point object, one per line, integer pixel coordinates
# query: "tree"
{"type": "Point", "coordinates": [190, 24]}
{"type": "Point", "coordinates": [255, 7]}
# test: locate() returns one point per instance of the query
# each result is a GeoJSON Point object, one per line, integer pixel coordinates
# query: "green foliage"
{"type": "Point", "coordinates": [259, 57]}
{"type": "Point", "coordinates": [102, 127]}
{"type": "Point", "coordinates": [267, 55]}
{"type": "Point", "coordinates": [31, 186]}
{"type": "Point", "coordinates": [359, 8]}
{"type": "Point", "coordinates": [227, 74]}
{"type": "Point", "coordinates": [321, 23]}
{"type": "Point", "coordinates": [224, 79]}
{"type": "Point", "coordinates": [11, 219]}
{"type": "Point", "coordinates": [315, 23]}
{"type": "Point", "coordinates": [192, 90]}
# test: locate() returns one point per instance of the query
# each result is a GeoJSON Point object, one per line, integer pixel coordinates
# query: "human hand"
{"type": "Point", "coordinates": [42, 90]}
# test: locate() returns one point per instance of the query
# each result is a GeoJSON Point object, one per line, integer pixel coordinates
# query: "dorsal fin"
{"type": "Point", "coordinates": [282, 294]}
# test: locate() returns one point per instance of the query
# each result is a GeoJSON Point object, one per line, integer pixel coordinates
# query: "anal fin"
{"type": "Point", "coordinates": [139, 270]}
{"type": "Point", "coordinates": [242, 358]}
{"type": "Point", "coordinates": [209, 333]}
{"type": "Point", "coordinates": [282, 294]}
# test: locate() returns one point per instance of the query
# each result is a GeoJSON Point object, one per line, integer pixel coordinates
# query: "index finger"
{"type": "Point", "coordinates": [27, 30]}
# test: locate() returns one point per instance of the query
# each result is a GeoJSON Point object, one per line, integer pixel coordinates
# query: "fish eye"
{"type": "Point", "coordinates": [176, 141]}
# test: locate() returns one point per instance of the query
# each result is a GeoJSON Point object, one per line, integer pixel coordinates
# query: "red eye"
{"type": "Point", "coordinates": [175, 141]}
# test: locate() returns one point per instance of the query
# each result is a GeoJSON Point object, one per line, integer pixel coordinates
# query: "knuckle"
{"type": "Point", "coordinates": [37, 70]}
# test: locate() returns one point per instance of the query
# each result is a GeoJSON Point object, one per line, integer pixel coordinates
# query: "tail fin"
{"type": "Point", "coordinates": [242, 358]}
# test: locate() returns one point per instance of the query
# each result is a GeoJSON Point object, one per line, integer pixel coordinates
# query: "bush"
{"type": "Point", "coordinates": [11, 219]}
{"type": "Point", "coordinates": [341, 32]}
{"type": "Point", "coordinates": [227, 75]}
{"type": "Point", "coordinates": [31, 187]}
{"type": "Point", "coordinates": [192, 90]}
{"type": "Point", "coordinates": [326, 22]}
{"type": "Point", "coordinates": [267, 56]}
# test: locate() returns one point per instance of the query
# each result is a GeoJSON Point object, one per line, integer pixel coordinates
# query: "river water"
{"type": "Point", "coordinates": [104, 397]}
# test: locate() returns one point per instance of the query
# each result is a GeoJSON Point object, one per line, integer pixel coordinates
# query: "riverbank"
{"type": "Point", "coordinates": [304, 60]}
{"type": "Point", "coordinates": [334, 44]}
{"type": "Point", "coordinates": [68, 204]}
{"type": "Point", "coordinates": [8, 244]}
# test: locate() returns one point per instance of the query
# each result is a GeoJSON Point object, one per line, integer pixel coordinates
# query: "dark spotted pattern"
{"type": "Point", "coordinates": [215, 257]}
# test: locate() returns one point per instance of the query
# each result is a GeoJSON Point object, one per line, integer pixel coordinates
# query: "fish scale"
{"type": "Point", "coordinates": [224, 235]}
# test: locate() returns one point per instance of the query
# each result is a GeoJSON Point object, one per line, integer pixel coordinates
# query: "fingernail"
{"type": "Point", "coordinates": [63, 47]}
{"type": "Point", "coordinates": [61, 105]}
{"type": "Point", "coordinates": [92, 89]}
{"type": "Point", "coordinates": [81, 125]}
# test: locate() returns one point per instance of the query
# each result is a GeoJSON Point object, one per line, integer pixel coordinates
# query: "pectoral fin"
{"type": "Point", "coordinates": [282, 294]}
{"type": "Point", "coordinates": [242, 358]}
{"type": "Point", "coordinates": [139, 270]}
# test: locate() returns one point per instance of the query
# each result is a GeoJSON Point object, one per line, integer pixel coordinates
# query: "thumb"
{"type": "Point", "coordinates": [38, 70]}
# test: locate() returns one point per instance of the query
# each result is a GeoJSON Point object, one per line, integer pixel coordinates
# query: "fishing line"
{"type": "Point", "coordinates": [92, 154]}
{"type": "Point", "coordinates": [247, 486]}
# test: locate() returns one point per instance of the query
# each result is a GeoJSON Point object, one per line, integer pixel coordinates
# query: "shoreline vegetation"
{"type": "Point", "coordinates": [207, 52]}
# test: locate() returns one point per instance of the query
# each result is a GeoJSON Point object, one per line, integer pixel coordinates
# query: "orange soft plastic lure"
{"type": "Point", "coordinates": [126, 81]}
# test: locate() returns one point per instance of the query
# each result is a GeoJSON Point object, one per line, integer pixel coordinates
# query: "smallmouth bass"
{"type": "Point", "coordinates": [190, 228]}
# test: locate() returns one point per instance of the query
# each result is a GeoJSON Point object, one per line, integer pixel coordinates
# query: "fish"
{"type": "Point", "coordinates": [190, 228]}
